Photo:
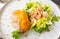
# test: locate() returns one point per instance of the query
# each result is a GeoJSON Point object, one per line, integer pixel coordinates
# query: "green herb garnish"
{"type": "Point", "coordinates": [15, 34]}
{"type": "Point", "coordinates": [55, 18]}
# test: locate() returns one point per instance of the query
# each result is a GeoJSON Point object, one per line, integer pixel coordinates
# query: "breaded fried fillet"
{"type": "Point", "coordinates": [20, 20]}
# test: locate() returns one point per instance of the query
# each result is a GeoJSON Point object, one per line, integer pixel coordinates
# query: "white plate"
{"type": "Point", "coordinates": [6, 27]}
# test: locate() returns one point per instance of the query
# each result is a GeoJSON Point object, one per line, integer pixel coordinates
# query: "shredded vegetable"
{"type": "Point", "coordinates": [43, 23]}
{"type": "Point", "coordinates": [40, 17]}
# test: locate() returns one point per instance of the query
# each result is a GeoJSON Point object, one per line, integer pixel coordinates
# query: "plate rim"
{"type": "Point", "coordinates": [20, 0]}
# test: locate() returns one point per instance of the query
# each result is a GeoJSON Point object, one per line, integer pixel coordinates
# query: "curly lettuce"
{"type": "Point", "coordinates": [43, 23]}
{"type": "Point", "coordinates": [31, 5]}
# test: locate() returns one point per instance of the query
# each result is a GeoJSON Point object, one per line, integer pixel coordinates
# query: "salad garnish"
{"type": "Point", "coordinates": [40, 16]}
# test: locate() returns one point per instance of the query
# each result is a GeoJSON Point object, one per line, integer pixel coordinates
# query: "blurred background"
{"type": "Point", "coordinates": [3, 2]}
{"type": "Point", "coordinates": [57, 2]}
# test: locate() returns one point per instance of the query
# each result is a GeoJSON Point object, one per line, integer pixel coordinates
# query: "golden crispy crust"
{"type": "Point", "coordinates": [23, 21]}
